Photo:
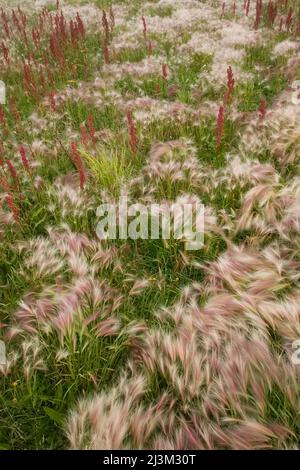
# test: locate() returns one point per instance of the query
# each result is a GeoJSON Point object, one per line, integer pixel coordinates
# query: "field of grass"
{"type": "Point", "coordinates": [143, 344]}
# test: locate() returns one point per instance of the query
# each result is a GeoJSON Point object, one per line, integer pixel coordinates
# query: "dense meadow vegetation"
{"type": "Point", "coordinates": [121, 344]}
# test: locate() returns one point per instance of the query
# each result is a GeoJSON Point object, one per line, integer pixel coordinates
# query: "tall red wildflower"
{"type": "Point", "coordinates": [230, 79]}
{"type": "Point", "coordinates": [247, 7]}
{"type": "Point", "coordinates": [61, 27]}
{"type": "Point", "coordinates": [12, 206]}
{"type": "Point", "coordinates": [56, 50]}
{"type": "Point", "coordinates": [5, 52]}
{"type": "Point", "coordinates": [132, 134]}
{"type": "Point", "coordinates": [25, 38]}
{"type": "Point", "coordinates": [220, 124]}
{"type": "Point", "coordinates": [271, 13]}
{"type": "Point", "coordinates": [2, 118]}
{"type": "Point", "coordinates": [16, 21]}
{"type": "Point", "coordinates": [144, 27]}
{"type": "Point", "coordinates": [105, 25]}
{"type": "Point", "coordinates": [5, 23]}
{"type": "Point", "coordinates": [29, 80]}
{"type": "Point", "coordinates": [263, 108]}
{"type": "Point", "coordinates": [105, 52]}
{"type": "Point", "coordinates": [84, 135]}
{"type": "Point", "coordinates": [12, 172]}
{"type": "Point", "coordinates": [23, 17]}
{"type": "Point", "coordinates": [165, 71]}
{"type": "Point", "coordinates": [258, 13]}
{"type": "Point", "coordinates": [74, 32]}
{"type": "Point", "coordinates": [289, 19]}
{"type": "Point", "coordinates": [24, 159]}
{"type": "Point", "coordinates": [80, 25]}
{"type": "Point", "coordinates": [36, 38]}
{"type": "Point", "coordinates": [230, 84]}
{"type": "Point", "coordinates": [27, 72]}
{"type": "Point", "coordinates": [78, 163]}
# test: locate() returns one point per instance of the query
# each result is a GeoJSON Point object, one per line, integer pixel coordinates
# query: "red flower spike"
{"type": "Point", "coordinates": [230, 84]}
{"type": "Point", "coordinates": [5, 52]}
{"type": "Point", "coordinates": [144, 27]}
{"type": "Point", "coordinates": [24, 159]}
{"type": "Point", "coordinates": [289, 19]}
{"type": "Point", "coordinates": [105, 25]}
{"type": "Point", "coordinates": [220, 123]}
{"type": "Point", "coordinates": [165, 71]}
{"type": "Point", "coordinates": [80, 25]}
{"type": "Point", "coordinates": [84, 135]}
{"type": "Point", "coordinates": [132, 134]}
{"type": "Point", "coordinates": [13, 172]}
{"type": "Point", "coordinates": [105, 52]}
{"type": "Point", "coordinates": [247, 7]}
{"type": "Point", "coordinates": [2, 118]}
{"type": "Point", "coordinates": [12, 207]}
{"type": "Point", "coordinates": [263, 108]}
{"type": "Point", "coordinates": [258, 14]}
